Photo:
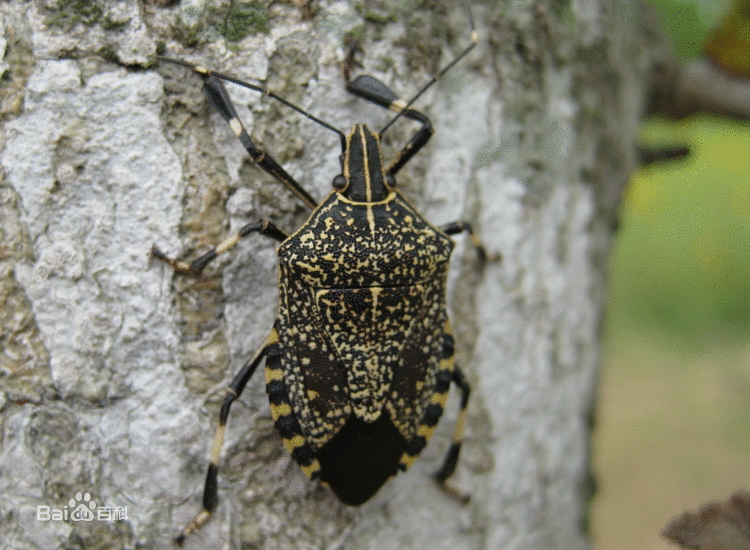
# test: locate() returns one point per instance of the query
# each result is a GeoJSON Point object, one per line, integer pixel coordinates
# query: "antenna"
{"type": "Point", "coordinates": [449, 66]}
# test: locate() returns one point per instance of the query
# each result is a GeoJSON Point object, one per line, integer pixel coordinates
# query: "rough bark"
{"type": "Point", "coordinates": [112, 369]}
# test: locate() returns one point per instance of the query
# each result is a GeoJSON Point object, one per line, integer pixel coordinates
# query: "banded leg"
{"type": "Point", "coordinates": [451, 457]}
{"type": "Point", "coordinates": [210, 490]}
{"type": "Point", "coordinates": [373, 90]}
{"type": "Point", "coordinates": [219, 98]}
{"type": "Point", "coordinates": [454, 228]}
{"type": "Point", "coordinates": [264, 227]}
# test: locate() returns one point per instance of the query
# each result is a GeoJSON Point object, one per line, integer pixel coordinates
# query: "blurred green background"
{"type": "Point", "coordinates": [673, 417]}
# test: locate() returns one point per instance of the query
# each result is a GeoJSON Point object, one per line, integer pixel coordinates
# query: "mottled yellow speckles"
{"type": "Point", "coordinates": [273, 374]}
{"type": "Point", "coordinates": [278, 411]}
{"type": "Point", "coordinates": [296, 441]}
{"type": "Point", "coordinates": [407, 460]}
{"type": "Point", "coordinates": [439, 399]}
{"type": "Point", "coordinates": [354, 304]}
{"type": "Point", "coordinates": [447, 364]}
{"type": "Point", "coordinates": [310, 267]}
{"type": "Point", "coordinates": [311, 469]}
{"type": "Point", "coordinates": [375, 291]}
{"type": "Point", "coordinates": [426, 431]}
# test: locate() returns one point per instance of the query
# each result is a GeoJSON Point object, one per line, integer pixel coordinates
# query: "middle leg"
{"type": "Point", "coordinates": [454, 228]}
{"type": "Point", "coordinates": [264, 227]}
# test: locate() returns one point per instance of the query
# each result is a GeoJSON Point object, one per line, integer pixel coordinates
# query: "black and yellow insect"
{"type": "Point", "coordinates": [360, 359]}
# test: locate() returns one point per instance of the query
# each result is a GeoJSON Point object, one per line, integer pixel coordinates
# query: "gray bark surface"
{"type": "Point", "coordinates": [112, 369]}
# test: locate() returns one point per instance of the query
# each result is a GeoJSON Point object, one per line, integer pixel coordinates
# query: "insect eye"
{"type": "Point", "coordinates": [339, 183]}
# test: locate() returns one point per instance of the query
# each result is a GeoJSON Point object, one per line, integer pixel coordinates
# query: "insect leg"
{"type": "Point", "coordinates": [210, 491]}
{"type": "Point", "coordinates": [454, 228]}
{"type": "Point", "coordinates": [264, 227]}
{"type": "Point", "coordinates": [373, 90]}
{"type": "Point", "coordinates": [451, 457]}
{"type": "Point", "coordinates": [219, 98]}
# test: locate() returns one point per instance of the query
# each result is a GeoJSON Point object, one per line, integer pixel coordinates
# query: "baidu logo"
{"type": "Point", "coordinates": [82, 512]}
{"type": "Point", "coordinates": [82, 508]}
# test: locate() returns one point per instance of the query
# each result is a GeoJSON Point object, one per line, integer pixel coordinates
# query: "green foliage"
{"type": "Point", "coordinates": [681, 261]}
{"type": "Point", "coordinates": [686, 23]}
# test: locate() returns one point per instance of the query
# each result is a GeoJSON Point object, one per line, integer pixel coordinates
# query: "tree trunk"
{"type": "Point", "coordinates": [113, 369]}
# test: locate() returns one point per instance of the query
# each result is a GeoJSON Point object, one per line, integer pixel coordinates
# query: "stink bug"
{"type": "Point", "coordinates": [360, 359]}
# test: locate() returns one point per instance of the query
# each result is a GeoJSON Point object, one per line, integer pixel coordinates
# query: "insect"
{"type": "Point", "coordinates": [360, 359]}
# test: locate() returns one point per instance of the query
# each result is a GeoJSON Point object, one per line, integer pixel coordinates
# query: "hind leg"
{"type": "Point", "coordinates": [210, 490]}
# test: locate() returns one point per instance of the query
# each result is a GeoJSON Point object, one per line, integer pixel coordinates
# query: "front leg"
{"type": "Point", "coordinates": [373, 90]}
{"type": "Point", "coordinates": [219, 98]}
{"type": "Point", "coordinates": [264, 227]}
